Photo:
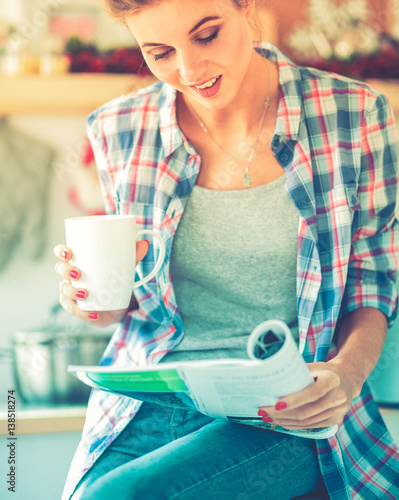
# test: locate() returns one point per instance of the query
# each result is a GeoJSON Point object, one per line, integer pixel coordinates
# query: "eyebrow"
{"type": "Point", "coordinates": [197, 26]}
{"type": "Point", "coordinates": [203, 21]}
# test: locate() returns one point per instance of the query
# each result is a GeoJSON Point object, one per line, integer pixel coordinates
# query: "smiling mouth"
{"type": "Point", "coordinates": [208, 84]}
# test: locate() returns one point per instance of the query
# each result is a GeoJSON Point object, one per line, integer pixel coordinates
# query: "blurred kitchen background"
{"type": "Point", "coordinates": [59, 60]}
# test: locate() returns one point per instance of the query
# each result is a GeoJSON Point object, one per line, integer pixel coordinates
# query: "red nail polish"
{"type": "Point", "coordinates": [64, 255]}
{"type": "Point", "coordinates": [93, 315]}
{"type": "Point", "coordinates": [73, 274]}
{"type": "Point", "coordinates": [267, 419]}
{"type": "Point", "coordinates": [281, 405]}
{"type": "Point", "coordinates": [263, 413]}
{"type": "Point", "coordinates": [80, 294]}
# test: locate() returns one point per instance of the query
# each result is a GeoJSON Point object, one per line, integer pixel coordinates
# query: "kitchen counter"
{"type": "Point", "coordinates": [45, 419]}
{"type": "Point", "coordinates": [71, 93]}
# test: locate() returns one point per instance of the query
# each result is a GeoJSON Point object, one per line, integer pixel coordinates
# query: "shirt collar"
{"type": "Point", "coordinates": [171, 134]}
{"type": "Point", "coordinates": [289, 110]}
{"type": "Point", "coordinates": [290, 91]}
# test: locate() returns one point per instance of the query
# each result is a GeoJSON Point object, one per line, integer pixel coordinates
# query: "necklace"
{"type": "Point", "coordinates": [246, 177]}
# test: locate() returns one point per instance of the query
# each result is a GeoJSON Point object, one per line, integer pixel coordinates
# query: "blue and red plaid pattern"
{"type": "Point", "coordinates": [336, 140]}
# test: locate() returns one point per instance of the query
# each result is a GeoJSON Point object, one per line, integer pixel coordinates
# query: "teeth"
{"type": "Point", "coordinates": [207, 84]}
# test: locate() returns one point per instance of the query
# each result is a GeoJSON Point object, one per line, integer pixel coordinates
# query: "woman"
{"type": "Point", "coordinates": [287, 177]}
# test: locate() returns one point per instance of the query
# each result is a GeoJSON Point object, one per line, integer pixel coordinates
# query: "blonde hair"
{"type": "Point", "coordinates": [119, 10]}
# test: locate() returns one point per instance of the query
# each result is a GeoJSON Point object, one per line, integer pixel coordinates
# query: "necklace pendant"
{"type": "Point", "coordinates": [247, 179]}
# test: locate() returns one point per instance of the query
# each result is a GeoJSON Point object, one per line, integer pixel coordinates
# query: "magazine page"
{"type": "Point", "coordinates": [163, 387]}
{"type": "Point", "coordinates": [161, 384]}
{"type": "Point", "coordinates": [232, 389]}
{"type": "Point", "coordinates": [278, 369]}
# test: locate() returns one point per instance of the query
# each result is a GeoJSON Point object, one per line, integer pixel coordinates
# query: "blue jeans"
{"type": "Point", "coordinates": [167, 453]}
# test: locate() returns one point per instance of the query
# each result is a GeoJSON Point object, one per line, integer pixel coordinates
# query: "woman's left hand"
{"type": "Point", "coordinates": [321, 404]}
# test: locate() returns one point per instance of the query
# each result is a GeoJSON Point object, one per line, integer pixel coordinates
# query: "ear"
{"type": "Point", "coordinates": [249, 8]}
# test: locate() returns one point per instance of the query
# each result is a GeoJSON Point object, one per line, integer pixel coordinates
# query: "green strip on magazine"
{"type": "Point", "coordinates": [154, 381]}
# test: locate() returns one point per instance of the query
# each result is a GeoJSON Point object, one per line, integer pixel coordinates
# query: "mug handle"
{"type": "Point", "coordinates": [160, 257]}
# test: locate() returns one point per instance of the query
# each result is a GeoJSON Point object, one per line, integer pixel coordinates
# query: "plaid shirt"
{"type": "Point", "coordinates": [335, 139]}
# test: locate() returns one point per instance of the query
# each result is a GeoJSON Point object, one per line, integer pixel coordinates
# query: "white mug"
{"type": "Point", "coordinates": [104, 250]}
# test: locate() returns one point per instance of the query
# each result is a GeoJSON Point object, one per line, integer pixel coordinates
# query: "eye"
{"type": "Point", "coordinates": [164, 55]}
{"type": "Point", "coordinates": [209, 38]}
{"type": "Point", "coordinates": [204, 41]}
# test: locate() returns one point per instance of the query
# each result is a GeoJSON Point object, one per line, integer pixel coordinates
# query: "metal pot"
{"type": "Point", "coordinates": [41, 358]}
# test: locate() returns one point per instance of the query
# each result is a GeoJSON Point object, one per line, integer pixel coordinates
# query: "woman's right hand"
{"type": "Point", "coordinates": [70, 294]}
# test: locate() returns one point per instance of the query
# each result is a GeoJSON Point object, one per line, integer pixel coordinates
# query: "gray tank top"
{"type": "Point", "coordinates": [233, 265]}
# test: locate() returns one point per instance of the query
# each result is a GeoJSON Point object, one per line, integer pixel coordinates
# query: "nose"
{"type": "Point", "coordinates": [191, 67]}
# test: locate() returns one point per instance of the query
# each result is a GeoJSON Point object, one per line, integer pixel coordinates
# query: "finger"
{"type": "Point", "coordinates": [334, 403]}
{"type": "Point", "coordinates": [315, 425]}
{"type": "Point", "coordinates": [67, 271]}
{"type": "Point", "coordinates": [313, 413]}
{"type": "Point", "coordinates": [325, 383]}
{"type": "Point", "coordinates": [72, 292]}
{"type": "Point", "coordinates": [63, 252]}
{"type": "Point", "coordinates": [332, 416]}
{"type": "Point", "coordinates": [72, 307]}
{"type": "Point", "coordinates": [142, 247]}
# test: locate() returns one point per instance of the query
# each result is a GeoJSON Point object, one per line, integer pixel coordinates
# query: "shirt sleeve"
{"type": "Point", "coordinates": [373, 266]}
{"type": "Point", "coordinates": [98, 143]}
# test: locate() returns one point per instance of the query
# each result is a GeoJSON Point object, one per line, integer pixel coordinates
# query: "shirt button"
{"type": "Point", "coordinates": [303, 204]}
{"type": "Point", "coordinates": [284, 157]}
{"type": "Point", "coordinates": [327, 461]}
{"type": "Point", "coordinates": [354, 200]}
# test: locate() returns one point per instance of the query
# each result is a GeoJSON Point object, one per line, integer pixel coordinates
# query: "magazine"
{"type": "Point", "coordinates": [231, 388]}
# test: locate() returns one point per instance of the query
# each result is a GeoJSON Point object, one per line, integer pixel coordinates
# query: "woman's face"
{"type": "Point", "coordinates": [201, 48]}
